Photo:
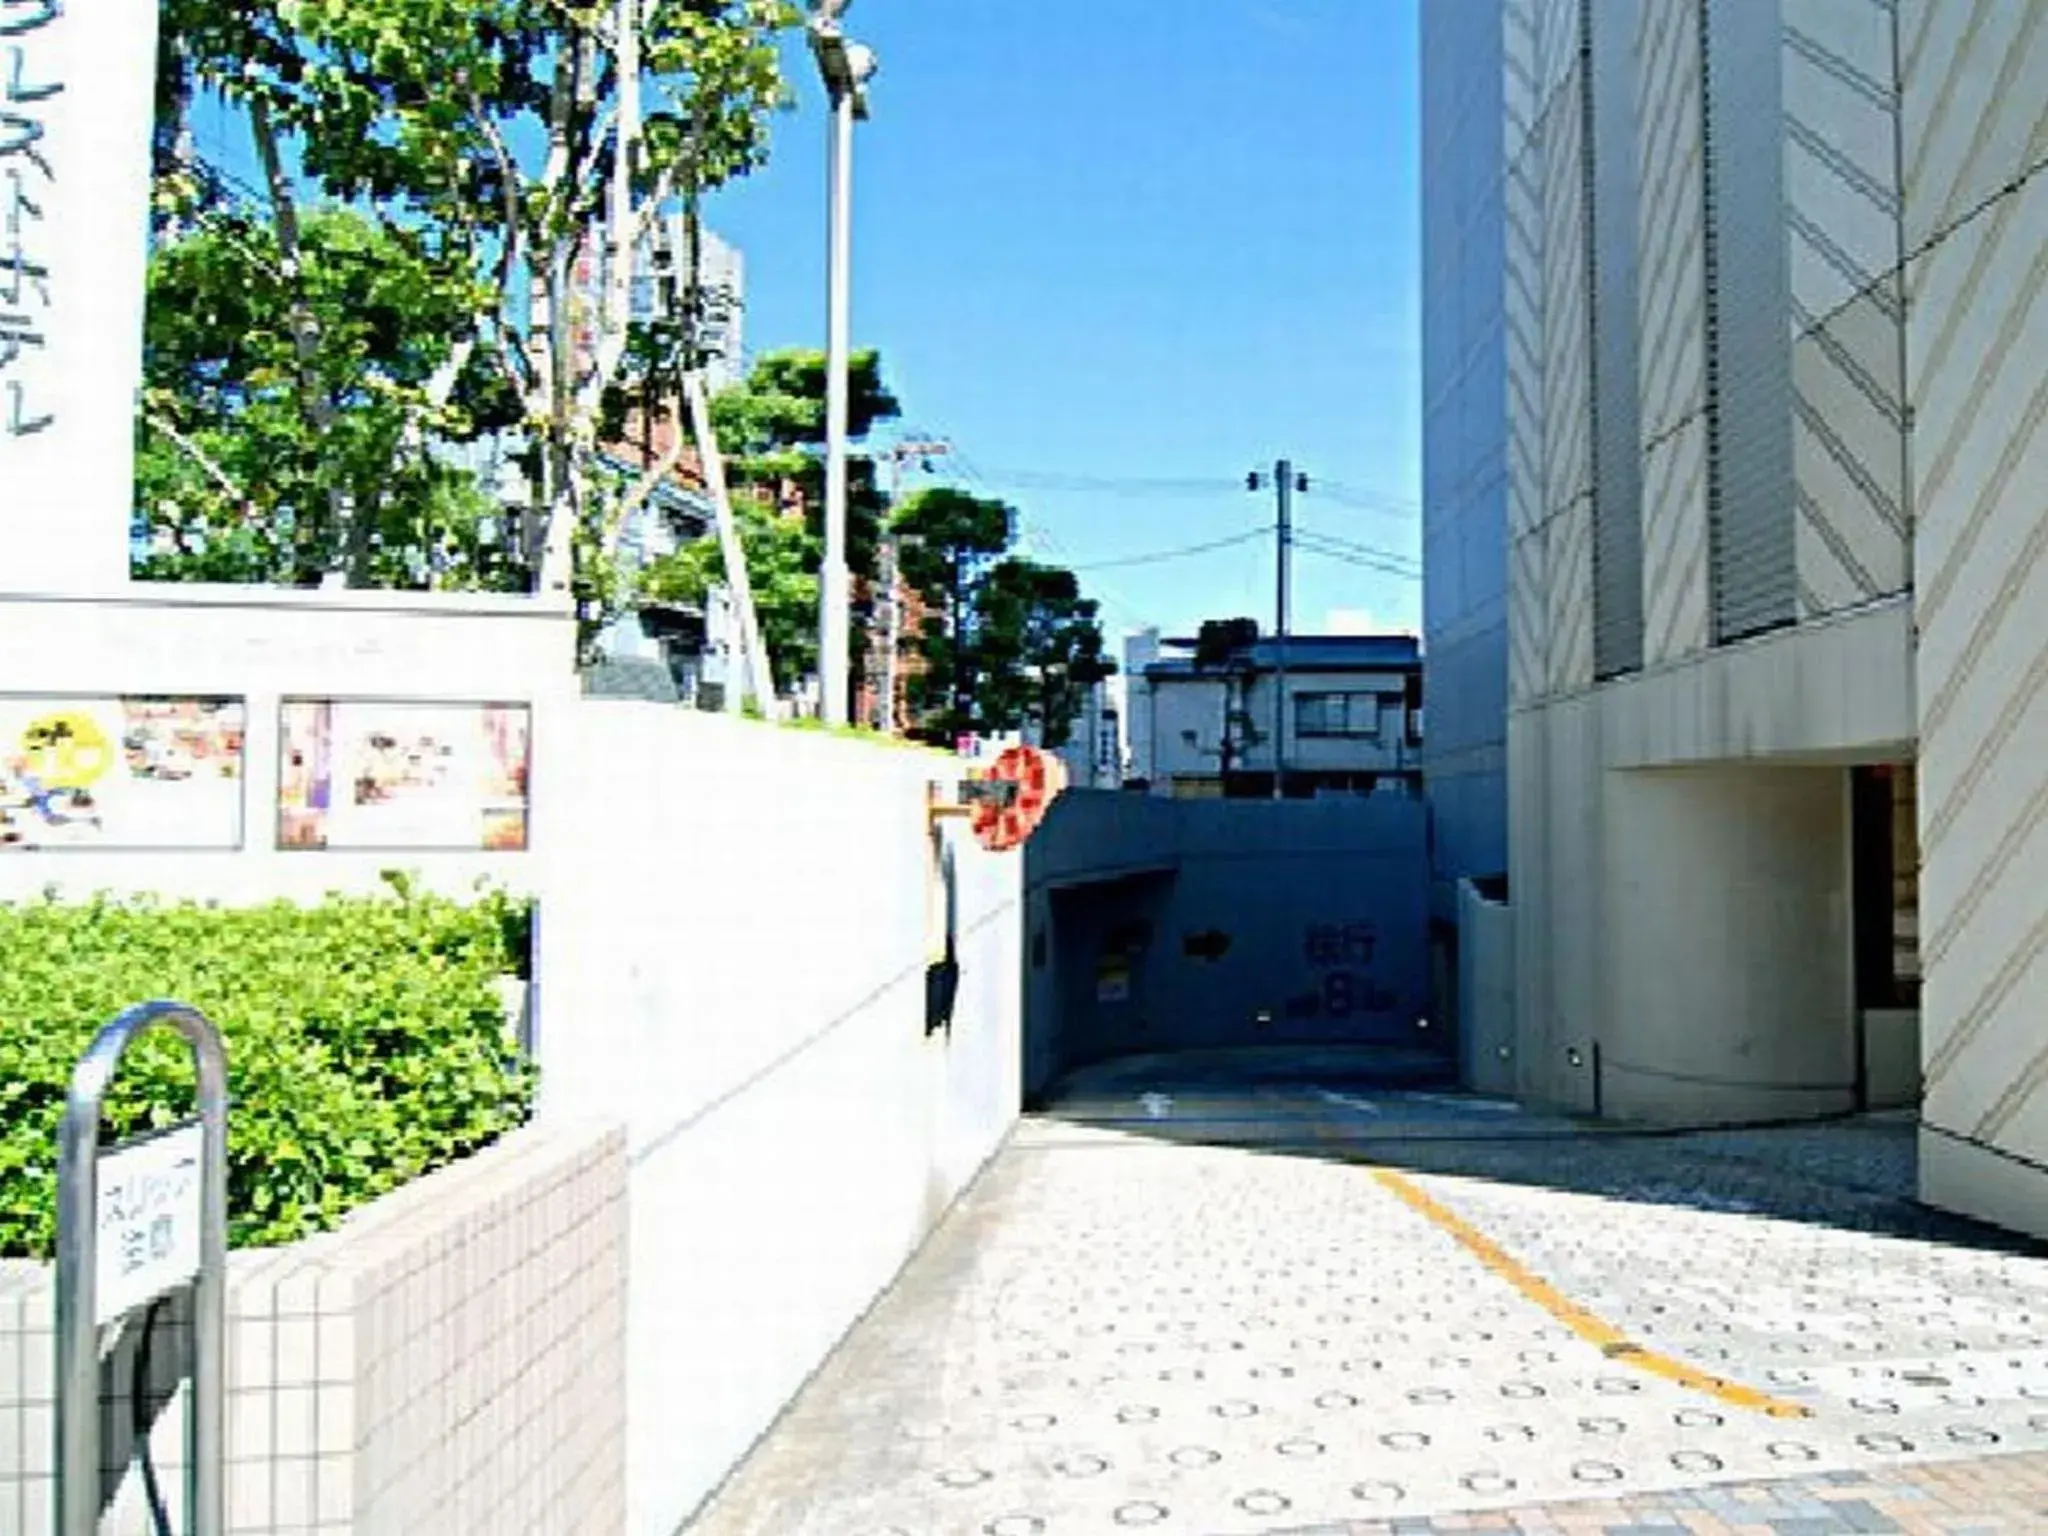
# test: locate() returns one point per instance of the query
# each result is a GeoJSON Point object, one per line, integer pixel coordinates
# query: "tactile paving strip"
{"type": "Point", "coordinates": [1214, 1341]}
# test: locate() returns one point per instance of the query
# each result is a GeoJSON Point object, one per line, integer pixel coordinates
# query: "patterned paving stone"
{"type": "Point", "coordinates": [1180, 1326]}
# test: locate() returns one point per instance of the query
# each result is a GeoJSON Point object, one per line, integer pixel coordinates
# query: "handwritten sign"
{"type": "Point", "coordinates": [147, 1214]}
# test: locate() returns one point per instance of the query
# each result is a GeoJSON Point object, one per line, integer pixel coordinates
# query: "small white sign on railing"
{"type": "Point", "coordinates": [148, 1220]}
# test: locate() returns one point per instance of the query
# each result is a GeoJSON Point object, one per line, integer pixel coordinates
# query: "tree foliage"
{"type": "Point", "coordinates": [367, 1043]}
{"type": "Point", "coordinates": [1043, 645]}
{"type": "Point", "coordinates": [530, 147]}
{"type": "Point", "coordinates": [233, 477]}
{"type": "Point", "coordinates": [1006, 642]}
{"type": "Point", "coordinates": [771, 430]}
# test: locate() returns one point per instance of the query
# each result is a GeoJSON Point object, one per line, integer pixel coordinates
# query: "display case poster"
{"type": "Point", "coordinates": [114, 773]}
{"type": "Point", "coordinates": [402, 775]}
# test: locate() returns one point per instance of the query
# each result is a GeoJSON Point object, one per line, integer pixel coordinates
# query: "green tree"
{"type": "Point", "coordinates": [782, 565]}
{"type": "Point", "coordinates": [1041, 646]}
{"type": "Point", "coordinates": [240, 481]}
{"type": "Point", "coordinates": [772, 432]}
{"type": "Point", "coordinates": [949, 541]}
{"type": "Point", "coordinates": [1006, 642]}
{"type": "Point", "coordinates": [532, 144]}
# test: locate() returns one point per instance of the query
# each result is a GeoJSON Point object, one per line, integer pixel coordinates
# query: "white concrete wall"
{"type": "Point", "coordinates": [732, 959]}
{"type": "Point", "coordinates": [1976, 216]}
{"type": "Point", "coordinates": [262, 646]}
{"type": "Point", "coordinates": [1486, 992]}
{"type": "Point", "coordinates": [1730, 992]}
{"type": "Point", "coordinates": [1634, 889]}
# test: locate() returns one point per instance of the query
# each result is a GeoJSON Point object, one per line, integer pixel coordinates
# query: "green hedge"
{"type": "Point", "coordinates": [367, 1043]}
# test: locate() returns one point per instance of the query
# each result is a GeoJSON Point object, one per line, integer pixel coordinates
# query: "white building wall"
{"type": "Point", "coordinates": [1673, 829]}
{"type": "Point", "coordinates": [1976, 215]}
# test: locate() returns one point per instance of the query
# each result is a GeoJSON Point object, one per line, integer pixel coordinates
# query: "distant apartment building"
{"type": "Point", "coordinates": [1734, 335]}
{"type": "Point", "coordinates": [664, 270]}
{"type": "Point", "coordinates": [1205, 726]}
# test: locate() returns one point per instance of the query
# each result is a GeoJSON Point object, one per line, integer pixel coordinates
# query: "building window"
{"type": "Point", "coordinates": [1337, 714]}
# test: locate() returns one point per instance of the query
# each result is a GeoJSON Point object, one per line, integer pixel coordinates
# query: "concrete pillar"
{"type": "Point", "coordinates": [1729, 983]}
{"type": "Point", "coordinates": [76, 87]}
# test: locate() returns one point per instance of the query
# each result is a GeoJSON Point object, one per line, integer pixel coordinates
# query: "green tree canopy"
{"type": "Point", "coordinates": [1006, 642]}
{"type": "Point", "coordinates": [253, 466]}
{"type": "Point", "coordinates": [533, 148]}
{"type": "Point", "coordinates": [1041, 646]}
{"type": "Point", "coordinates": [771, 431]}
{"type": "Point", "coordinates": [950, 540]}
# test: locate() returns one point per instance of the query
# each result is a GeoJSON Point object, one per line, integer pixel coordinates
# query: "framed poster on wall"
{"type": "Point", "coordinates": [117, 773]}
{"type": "Point", "coordinates": [395, 775]}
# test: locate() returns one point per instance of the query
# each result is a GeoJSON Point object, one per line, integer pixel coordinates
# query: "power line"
{"type": "Point", "coordinates": [1357, 547]}
{"type": "Point", "coordinates": [1384, 564]}
{"type": "Point", "coordinates": [1366, 500]}
{"type": "Point", "coordinates": [1113, 485]}
{"type": "Point", "coordinates": [1179, 552]}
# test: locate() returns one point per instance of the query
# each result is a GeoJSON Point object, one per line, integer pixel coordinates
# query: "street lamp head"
{"type": "Point", "coordinates": [847, 66]}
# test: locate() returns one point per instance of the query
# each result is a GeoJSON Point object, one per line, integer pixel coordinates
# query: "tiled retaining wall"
{"type": "Point", "coordinates": [451, 1360]}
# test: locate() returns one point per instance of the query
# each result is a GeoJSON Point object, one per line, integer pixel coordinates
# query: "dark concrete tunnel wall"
{"type": "Point", "coordinates": [1159, 925]}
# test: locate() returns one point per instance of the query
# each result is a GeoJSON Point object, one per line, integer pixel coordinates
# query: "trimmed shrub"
{"type": "Point", "coordinates": [366, 1038]}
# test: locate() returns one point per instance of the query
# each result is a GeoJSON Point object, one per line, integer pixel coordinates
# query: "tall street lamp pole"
{"type": "Point", "coordinates": [846, 67]}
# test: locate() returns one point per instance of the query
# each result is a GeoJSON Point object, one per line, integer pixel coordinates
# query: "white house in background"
{"type": "Point", "coordinates": [1352, 723]}
{"type": "Point", "coordinates": [1094, 751]}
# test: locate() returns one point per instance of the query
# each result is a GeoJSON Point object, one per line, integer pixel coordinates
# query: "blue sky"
{"type": "Point", "coordinates": [1102, 243]}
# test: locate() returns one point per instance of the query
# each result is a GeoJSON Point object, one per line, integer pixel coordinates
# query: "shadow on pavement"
{"type": "Point", "coordinates": [1402, 1110]}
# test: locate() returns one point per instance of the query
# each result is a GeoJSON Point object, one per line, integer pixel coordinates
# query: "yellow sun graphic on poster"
{"type": "Point", "coordinates": [67, 750]}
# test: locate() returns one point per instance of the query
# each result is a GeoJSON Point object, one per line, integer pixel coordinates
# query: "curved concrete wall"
{"type": "Point", "coordinates": [1729, 990]}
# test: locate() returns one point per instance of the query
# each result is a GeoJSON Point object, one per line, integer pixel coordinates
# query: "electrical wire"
{"type": "Point", "coordinates": [1386, 562]}
{"type": "Point", "coordinates": [1179, 552]}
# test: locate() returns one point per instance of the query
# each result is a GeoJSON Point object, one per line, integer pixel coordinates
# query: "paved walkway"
{"type": "Point", "coordinates": [1319, 1309]}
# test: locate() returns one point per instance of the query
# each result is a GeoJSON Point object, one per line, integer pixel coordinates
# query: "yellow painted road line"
{"type": "Point", "coordinates": [1604, 1336]}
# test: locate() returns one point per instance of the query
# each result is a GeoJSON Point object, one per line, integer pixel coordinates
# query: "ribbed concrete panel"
{"type": "Point", "coordinates": [1670, 222]}
{"type": "Point", "coordinates": [1841, 152]}
{"type": "Point", "coordinates": [1849, 455]}
{"type": "Point", "coordinates": [1617, 427]}
{"type": "Point", "coordinates": [1521, 99]}
{"type": "Point", "coordinates": [1676, 605]}
{"type": "Point", "coordinates": [1976, 115]}
{"type": "Point", "coordinates": [1528, 619]}
{"type": "Point", "coordinates": [1671, 353]}
{"type": "Point", "coordinates": [1557, 47]}
{"type": "Point", "coordinates": [1750, 374]}
{"type": "Point", "coordinates": [1842, 215]}
{"type": "Point", "coordinates": [1977, 334]}
{"type": "Point", "coordinates": [1568, 587]}
{"type": "Point", "coordinates": [1524, 309]}
{"type": "Point", "coordinates": [1567, 338]}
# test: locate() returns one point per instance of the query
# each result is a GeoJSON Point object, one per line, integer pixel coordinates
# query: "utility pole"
{"type": "Point", "coordinates": [923, 451]}
{"type": "Point", "coordinates": [1286, 481]}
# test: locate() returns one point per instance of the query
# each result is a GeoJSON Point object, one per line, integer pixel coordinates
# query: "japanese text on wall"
{"type": "Point", "coordinates": [1342, 956]}
{"type": "Point", "coordinates": [28, 178]}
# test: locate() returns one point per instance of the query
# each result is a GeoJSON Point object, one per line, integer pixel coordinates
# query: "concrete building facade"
{"type": "Point", "coordinates": [1775, 285]}
{"type": "Point", "coordinates": [1464, 447]}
